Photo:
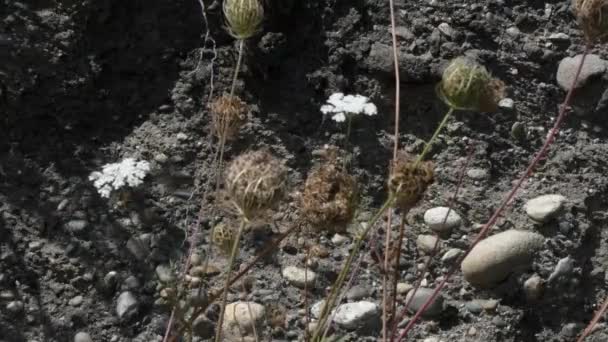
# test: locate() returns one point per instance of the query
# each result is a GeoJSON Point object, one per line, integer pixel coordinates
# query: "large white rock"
{"type": "Point", "coordinates": [544, 208]}
{"type": "Point", "coordinates": [494, 258]}
{"type": "Point", "coordinates": [238, 319]}
{"type": "Point", "coordinates": [126, 305]}
{"type": "Point", "coordinates": [440, 221]}
{"type": "Point", "coordinates": [593, 66]}
{"type": "Point", "coordinates": [357, 315]}
{"type": "Point", "coordinates": [299, 277]}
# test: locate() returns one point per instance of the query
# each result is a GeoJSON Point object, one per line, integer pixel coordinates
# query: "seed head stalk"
{"type": "Point", "coordinates": [508, 198]}
{"type": "Point", "coordinates": [237, 68]}
{"type": "Point", "coordinates": [233, 254]}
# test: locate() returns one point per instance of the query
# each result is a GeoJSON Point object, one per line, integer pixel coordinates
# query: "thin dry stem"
{"type": "Point", "coordinates": [233, 254]}
{"type": "Point", "coordinates": [589, 329]}
{"type": "Point", "coordinates": [508, 198]}
{"type": "Point", "coordinates": [434, 251]}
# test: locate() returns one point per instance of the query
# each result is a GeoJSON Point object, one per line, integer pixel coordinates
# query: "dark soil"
{"type": "Point", "coordinates": [85, 83]}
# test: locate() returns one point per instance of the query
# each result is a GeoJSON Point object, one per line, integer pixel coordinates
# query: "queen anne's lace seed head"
{"type": "Point", "coordinates": [330, 197]}
{"type": "Point", "coordinates": [467, 85]}
{"type": "Point", "coordinates": [593, 18]}
{"type": "Point", "coordinates": [228, 115]}
{"type": "Point", "coordinates": [244, 17]}
{"type": "Point", "coordinates": [255, 181]}
{"type": "Point", "coordinates": [339, 106]}
{"type": "Point", "coordinates": [409, 180]}
{"type": "Point", "coordinates": [118, 175]}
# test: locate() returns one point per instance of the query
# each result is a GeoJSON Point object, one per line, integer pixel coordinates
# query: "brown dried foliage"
{"type": "Point", "coordinates": [228, 115]}
{"type": "Point", "coordinates": [330, 195]}
{"type": "Point", "coordinates": [592, 15]}
{"type": "Point", "coordinates": [409, 180]}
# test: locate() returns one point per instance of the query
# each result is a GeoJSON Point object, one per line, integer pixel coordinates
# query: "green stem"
{"type": "Point", "coordinates": [238, 67]}
{"type": "Point", "coordinates": [233, 254]}
{"type": "Point", "coordinates": [329, 303]}
{"type": "Point", "coordinates": [427, 146]}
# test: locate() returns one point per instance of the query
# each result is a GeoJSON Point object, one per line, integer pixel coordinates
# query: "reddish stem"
{"type": "Point", "coordinates": [594, 321]}
{"type": "Point", "coordinates": [510, 196]}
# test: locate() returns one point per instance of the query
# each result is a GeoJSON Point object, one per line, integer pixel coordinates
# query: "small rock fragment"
{"type": "Point", "coordinates": [15, 306]}
{"type": "Point", "coordinates": [563, 268]}
{"type": "Point", "coordinates": [426, 243]}
{"type": "Point", "coordinates": [357, 315]}
{"type": "Point", "coordinates": [420, 297]}
{"type": "Point", "coordinates": [126, 305]}
{"type": "Point", "coordinates": [299, 277]}
{"type": "Point", "coordinates": [442, 219]}
{"type": "Point", "coordinates": [477, 174]}
{"type": "Point", "coordinates": [165, 274]}
{"type": "Point", "coordinates": [404, 288]}
{"type": "Point", "coordinates": [533, 287]}
{"type": "Point", "coordinates": [451, 255]}
{"type": "Point", "coordinates": [238, 319]}
{"type": "Point", "coordinates": [82, 337]}
{"type": "Point", "coordinates": [594, 66]}
{"type": "Point", "coordinates": [544, 208]}
{"type": "Point", "coordinates": [494, 258]}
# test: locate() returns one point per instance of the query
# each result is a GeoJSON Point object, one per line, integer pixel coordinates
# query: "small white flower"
{"type": "Point", "coordinates": [341, 105]}
{"type": "Point", "coordinates": [116, 175]}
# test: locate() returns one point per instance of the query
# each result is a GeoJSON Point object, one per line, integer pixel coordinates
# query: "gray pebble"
{"type": "Point", "coordinates": [15, 306]}
{"type": "Point", "coordinates": [82, 337]}
{"type": "Point", "coordinates": [594, 66]}
{"type": "Point", "coordinates": [165, 274]}
{"type": "Point", "coordinates": [477, 174]}
{"type": "Point", "coordinates": [126, 305]}
{"type": "Point", "coordinates": [76, 301]}
{"type": "Point", "coordinates": [421, 296]}
{"type": "Point", "coordinates": [442, 219]}
{"type": "Point", "coordinates": [544, 208]}
{"type": "Point", "coordinates": [426, 243]}
{"type": "Point", "coordinates": [357, 293]}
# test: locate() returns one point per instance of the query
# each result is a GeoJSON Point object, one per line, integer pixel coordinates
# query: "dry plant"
{"type": "Point", "coordinates": [590, 14]}
{"type": "Point", "coordinates": [255, 182]}
{"type": "Point", "coordinates": [330, 196]}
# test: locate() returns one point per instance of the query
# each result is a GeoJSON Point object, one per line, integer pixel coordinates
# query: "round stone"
{"type": "Point", "coordinates": [544, 208]}
{"type": "Point", "coordinates": [442, 219]}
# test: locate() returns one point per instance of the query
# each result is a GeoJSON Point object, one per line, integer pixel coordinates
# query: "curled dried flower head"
{"type": "Point", "coordinates": [228, 115]}
{"type": "Point", "coordinates": [409, 180]}
{"type": "Point", "coordinates": [467, 85]}
{"type": "Point", "coordinates": [223, 237]}
{"type": "Point", "coordinates": [243, 17]}
{"type": "Point", "coordinates": [255, 181]}
{"type": "Point", "coordinates": [592, 15]}
{"type": "Point", "coordinates": [330, 196]}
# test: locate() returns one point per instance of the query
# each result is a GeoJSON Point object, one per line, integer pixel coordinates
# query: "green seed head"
{"type": "Point", "coordinates": [466, 85]}
{"type": "Point", "coordinates": [592, 15]}
{"type": "Point", "coordinates": [243, 17]}
{"type": "Point", "coordinates": [255, 181]}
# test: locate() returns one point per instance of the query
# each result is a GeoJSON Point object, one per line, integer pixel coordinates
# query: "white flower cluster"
{"type": "Point", "coordinates": [116, 175]}
{"type": "Point", "coordinates": [340, 105]}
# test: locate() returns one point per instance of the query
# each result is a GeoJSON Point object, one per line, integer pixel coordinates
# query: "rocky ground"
{"type": "Point", "coordinates": [85, 83]}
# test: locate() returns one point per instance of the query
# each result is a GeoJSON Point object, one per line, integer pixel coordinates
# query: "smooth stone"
{"type": "Point", "coordinates": [451, 255]}
{"type": "Point", "coordinates": [357, 293]}
{"type": "Point", "coordinates": [339, 239]}
{"type": "Point", "coordinates": [533, 287]}
{"type": "Point", "coordinates": [436, 219]}
{"type": "Point", "coordinates": [563, 268]}
{"type": "Point", "coordinates": [82, 337]}
{"type": "Point", "coordinates": [506, 103]}
{"type": "Point", "coordinates": [299, 277]}
{"type": "Point", "coordinates": [493, 259]}
{"type": "Point", "coordinates": [422, 295]}
{"type": "Point", "coordinates": [544, 208]}
{"type": "Point", "coordinates": [473, 307]}
{"type": "Point", "coordinates": [404, 288]}
{"type": "Point", "coordinates": [559, 37]}
{"type": "Point", "coordinates": [357, 315]}
{"type": "Point", "coordinates": [447, 30]}
{"type": "Point", "coordinates": [203, 328]}
{"type": "Point", "coordinates": [15, 306]}
{"type": "Point", "coordinates": [426, 243]}
{"type": "Point", "coordinates": [76, 301]}
{"type": "Point", "coordinates": [594, 66]}
{"type": "Point", "coordinates": [126, 305]}
{"type": "Point", "coordinates": [238, 319]}
{"type": "Point", "coordinates": [165, 274]}
{"type": "Point", "coordinates": [477, 174]}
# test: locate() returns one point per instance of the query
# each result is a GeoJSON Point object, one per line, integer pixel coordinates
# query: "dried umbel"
{"type": "Point", "coordinates": [228, 115]}
{"type": "Point", "coordinates": [593, 18]}
{"type": "Point", "coordinates": [467, 85]}
{"type": "Point", "coordinates": [409, 180]}
{"type": "Point", "coordinates": [243, 17]}
{"type": "Point", "coordinates": [223, 237]}
{"type": "Point", "coordinates": [255, 181]}
{"type": "Point", "coordinates": [330, 196]}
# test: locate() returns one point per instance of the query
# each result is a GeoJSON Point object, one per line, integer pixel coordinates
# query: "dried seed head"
{"type": "Point", "coordinates": [223, 237]}
{"type": "Point", "coordinates": [255, 181]}
{"type": "Point", "coordinates": [467, 85]}
{"type": "Point", "coordinates": [228, 115]}
{"type": "Point", "coordinates": [330, 196]}
{"type": "Point", "coordinates": [244, 17]}
{"type": "Point", "coordinates": [409, 180]}
{"type": "Point", "coordinates": [592, 15]}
